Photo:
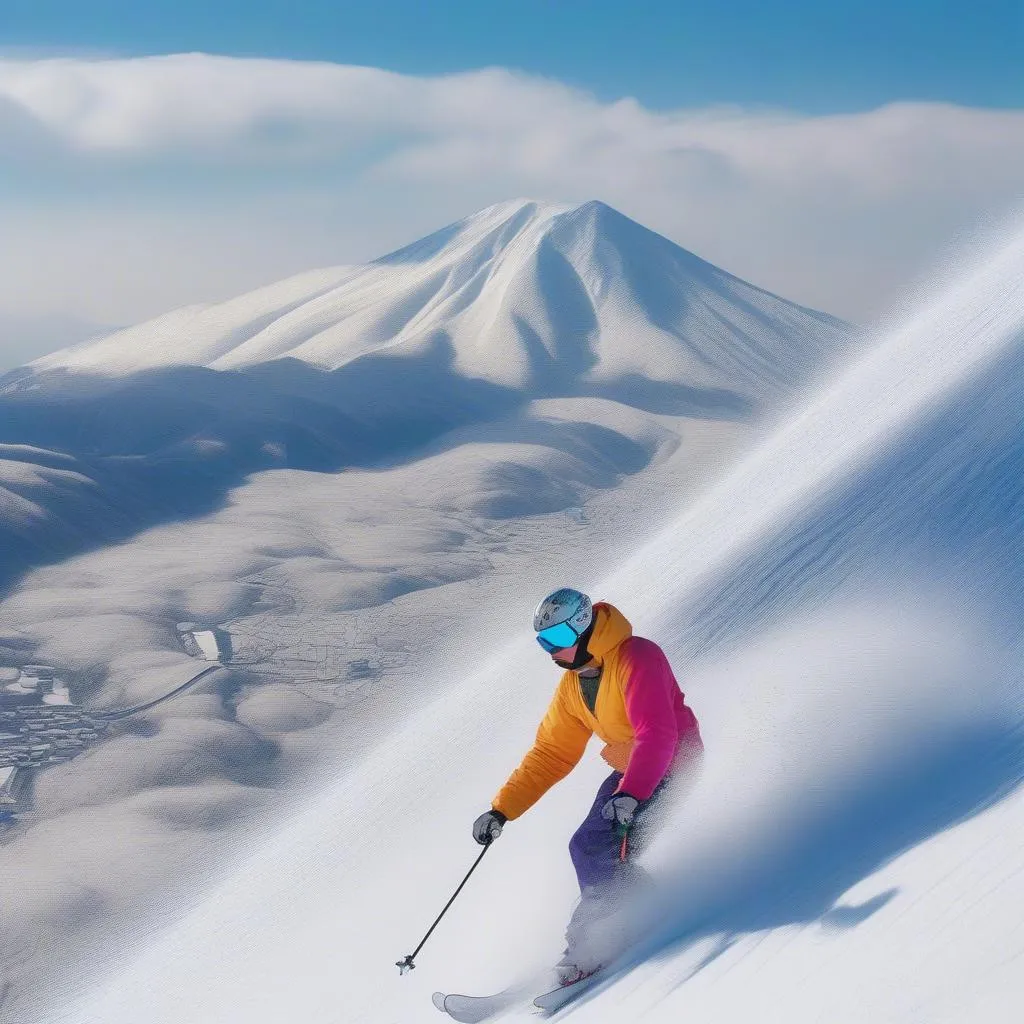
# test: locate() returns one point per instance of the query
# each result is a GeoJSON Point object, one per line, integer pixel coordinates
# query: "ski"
{"type": "Point", "coordinates": [472, 1009]}
{"type": "Point", "coordinates": [554, 1000]}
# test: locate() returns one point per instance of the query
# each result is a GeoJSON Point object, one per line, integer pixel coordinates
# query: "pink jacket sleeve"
{"type": "Point", "coordinates": [650, 697]}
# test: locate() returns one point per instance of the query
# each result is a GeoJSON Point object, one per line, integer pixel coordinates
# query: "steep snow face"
{"type": "Point", "coordinates": [523, 294]}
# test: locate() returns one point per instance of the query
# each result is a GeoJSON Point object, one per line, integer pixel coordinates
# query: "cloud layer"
{"type": "Point", "coordinates": [139, 184]}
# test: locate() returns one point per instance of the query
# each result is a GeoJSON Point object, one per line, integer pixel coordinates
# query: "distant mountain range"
{"type": "Point", "coordinates": [350, 365]}
{"type": "Point", "coordinates": [524, 295]}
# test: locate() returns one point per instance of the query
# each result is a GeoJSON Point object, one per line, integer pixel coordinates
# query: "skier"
{"type": "Point", "coordinates": [620, 687]}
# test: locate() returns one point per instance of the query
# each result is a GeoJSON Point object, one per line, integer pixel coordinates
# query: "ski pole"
{"type": "Point", "coordinates": [407, 964]}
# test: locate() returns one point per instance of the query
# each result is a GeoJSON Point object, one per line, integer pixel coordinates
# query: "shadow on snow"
{"type": "Point", "coordinates": [120, 455]}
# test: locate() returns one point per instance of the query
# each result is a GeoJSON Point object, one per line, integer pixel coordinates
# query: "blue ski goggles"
{"type": "Point", "coordinates": [558, 637]}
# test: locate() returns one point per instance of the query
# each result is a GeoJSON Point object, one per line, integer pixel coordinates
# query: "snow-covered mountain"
{"type": "Point", "coordinates": [350, 366]}
{"type": "Point", "coordinates": [524, 295]}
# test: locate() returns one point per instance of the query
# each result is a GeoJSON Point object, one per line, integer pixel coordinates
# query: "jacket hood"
{"type": "Point", "coordinates": [610, 629]}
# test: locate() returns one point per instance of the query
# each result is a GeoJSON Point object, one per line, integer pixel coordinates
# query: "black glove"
{"type": "Point", "coordinates": [488, 827]}
{"type": "Point", "coordinates": [620, 810]}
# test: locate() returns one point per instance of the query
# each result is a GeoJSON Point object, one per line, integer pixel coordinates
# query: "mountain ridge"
{"type": "Point", "coordinates": [523, 291]}
{"type": "Point", "coordinates": [350, 367]}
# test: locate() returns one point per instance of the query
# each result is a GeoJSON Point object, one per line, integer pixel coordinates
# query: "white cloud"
{"type": "Point", "coordinates": [276, 166]}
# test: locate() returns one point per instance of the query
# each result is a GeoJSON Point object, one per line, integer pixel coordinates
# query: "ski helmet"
{"type": "Point", "coordinates": [564, 605]}
{"type": "Point", "coordinates": [563, 619]}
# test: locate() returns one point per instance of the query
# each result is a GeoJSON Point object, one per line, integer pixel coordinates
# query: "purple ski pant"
{"type": "Point", "coordinates": [596, 846]}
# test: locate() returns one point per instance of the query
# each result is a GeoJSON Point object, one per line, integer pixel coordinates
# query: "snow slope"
{"type": "Point", "coordinates": [23, 338]}
{"type": "Point", "coordinates": [845, 612]}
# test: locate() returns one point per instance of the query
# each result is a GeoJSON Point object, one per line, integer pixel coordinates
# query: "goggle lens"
{"type": "Point", "coordinates": [558, 637]}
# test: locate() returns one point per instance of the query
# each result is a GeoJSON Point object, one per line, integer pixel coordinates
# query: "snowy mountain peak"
{"type": "Point", "coordinates": [517, 223]}
{"type": "Point", "coordinates": [517, 227]}
{"type": "Point", "coordinates": [523, 294]}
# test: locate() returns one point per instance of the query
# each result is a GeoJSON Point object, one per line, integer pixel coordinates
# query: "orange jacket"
{"type": "Point", "coordinates": [640, 714]}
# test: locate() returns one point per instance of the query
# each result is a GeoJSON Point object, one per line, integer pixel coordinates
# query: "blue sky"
{"type": "Point", "coordinates": [798, 146]}
{"type": "Point", "coordinates": [810, 57]}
